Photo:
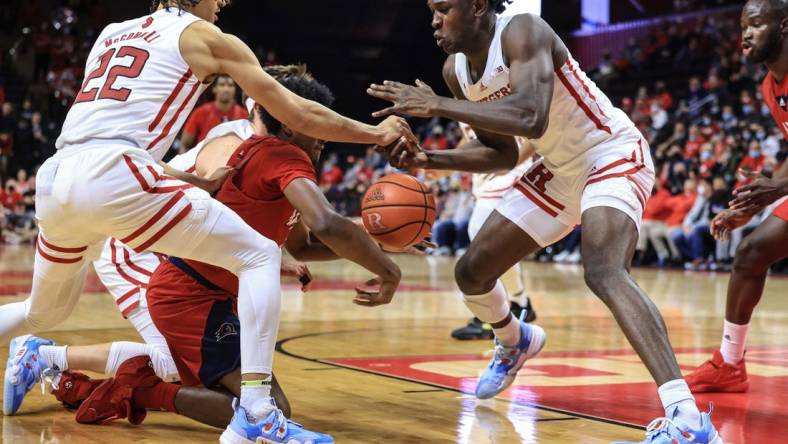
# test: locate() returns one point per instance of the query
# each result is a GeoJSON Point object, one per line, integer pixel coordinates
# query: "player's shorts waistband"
{"type": "Point", "coordinates": [73, 148]}
{"type": "Point", "coordinates": [184, 267]}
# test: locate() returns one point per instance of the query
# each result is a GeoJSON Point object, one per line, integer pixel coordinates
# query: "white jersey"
{"type": "Point", "coordinates": [494, 185]}
{"type": "Point", "coordinates": [581, 116]}
{"type": "Point", "coordinates": [137, 86]}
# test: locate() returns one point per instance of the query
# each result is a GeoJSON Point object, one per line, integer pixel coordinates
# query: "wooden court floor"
{"type": "Point", "coordinates": [392, 374]}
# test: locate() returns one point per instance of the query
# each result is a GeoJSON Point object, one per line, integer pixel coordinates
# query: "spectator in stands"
{"type": "Point", "coordinates": [450, 232]}
{"type": "Point", "coordinates": [223, 108]}
{"type": "Point", "coordinates": [680, 205]}
{"type": "Point", "coordinates": [9, 196]}
{"type": "Point", "coordinates": [436, 140]}
{"type": "Point", "coordinates": [7, 128]}
{"type": "Point", "coordinates": [571, 248]}
{"type": "Point", "coordinates": [331, 173]}
{"type": "Point", "coordinates": [693, 237]}
{"type": "Point", "coordinates": [655, 229]}
{"type": "Point", "coordinates": [694, 141]}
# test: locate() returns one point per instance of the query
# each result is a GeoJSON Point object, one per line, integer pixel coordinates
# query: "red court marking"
{"type": "Point", "coordinates": [759, 416]}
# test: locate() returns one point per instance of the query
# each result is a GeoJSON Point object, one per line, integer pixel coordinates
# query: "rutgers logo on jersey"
{"type": "Point", "coordinates": [294, 218]}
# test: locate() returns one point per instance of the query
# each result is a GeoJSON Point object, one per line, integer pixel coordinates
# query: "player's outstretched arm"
{"type": "Point", "coordinates": [208, 52]}
{"type": "Point", "coordinates": [345, 238]}
{"type": "Point", "coordinates": [303, 248]}
{"type": "Point", "coordinates": [527, 43]}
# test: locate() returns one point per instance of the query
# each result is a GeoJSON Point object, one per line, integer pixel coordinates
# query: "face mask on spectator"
{"type": "Point", "coordinates": [701, 189]}
{"type": "Point", "coordinates": [755, 154]}
{"type": "Point", "coordinates": [760, 135]}
{"type": "Point", "coordinates": [746, 109]}
{"type": "Point", "coordinates": [705, 155]}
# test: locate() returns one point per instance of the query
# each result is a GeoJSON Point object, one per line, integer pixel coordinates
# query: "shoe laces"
{"type": "Point", "coordinates": [502, 352]}
{"type": "Point", "coordinates": [659, 426]}
{"type": "Point", "coordinates": [50, 376]}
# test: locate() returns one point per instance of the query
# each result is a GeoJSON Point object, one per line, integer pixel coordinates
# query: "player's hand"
{"type": "Point", "coordinates": [298, 270]}
{"type": "Point", "coordinates": [759, 194]}
{"type": "Point", "coordinates": [393, 129]}
{"type": "Point", "coordinates": [376, 291]}
{"type": "Point", "coordinates": [727, 221]}
{"type": "Point", "coordinates": [416, 101]}
{"type": "Point", "coordinates": [404, 154]}
{"type": "Point", "coordinates": [214, 182]}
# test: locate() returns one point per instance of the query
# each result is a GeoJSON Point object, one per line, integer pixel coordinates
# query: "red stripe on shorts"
{"type": "Point", "coordinates": [129, 309]}
{"type": "Point", "coordinates": [544, 196]}
{"type": "Point", "coordinates": [56, 259]}
{"type": "Point", "coordinates": [533, 199]}
{"type": "Point", "coordinates": [127, 295]}
{"type": "Point", "coordinates": [137, 174]}
{"type": "Point", "coordinates": [638, 192]}
{"type": "Point", "coordinates": [614, 175]}
{"type": "Point", "coordinates": [133, 266]}
{"type": "Point", "coordinates": [128, 278]}
{"type": "Point", "coordinates": [61, 249]}
{"type": "Point", "coordinates": [174, 221]}
{"type": "Point", "coordinates": [156, 217]}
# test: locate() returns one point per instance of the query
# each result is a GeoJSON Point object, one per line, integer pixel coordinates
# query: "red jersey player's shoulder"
{"type": "Point", "coordinates": [275, 160]}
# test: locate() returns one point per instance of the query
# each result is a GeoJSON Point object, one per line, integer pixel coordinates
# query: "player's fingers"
{"type": "Point", "coordinates": [384, 95]}
{"type": "Point", "coordinates": [392, 84]}
{"type": "Point", "coordinates": [385, 112]}
{"type": "Point", "coordinates": [748, 173]}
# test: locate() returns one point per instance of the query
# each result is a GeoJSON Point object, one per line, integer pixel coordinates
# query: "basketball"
{"type": "Point", "coordinates": [398, 211]}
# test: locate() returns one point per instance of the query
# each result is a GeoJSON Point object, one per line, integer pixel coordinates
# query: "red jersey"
{"type": "Point", "coordinates": [207, 116]}
{"type": "Point", "coordinates": [265, 166]}
{"type": "Point", "coordinates": [680, 205]}
{"type": "Point", "coordinates": [658, 206]}
{"type": "Point", "coordinates": [776, 97]}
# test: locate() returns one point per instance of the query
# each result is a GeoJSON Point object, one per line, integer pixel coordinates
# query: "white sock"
{"type": "Point", "coordinates": [733, 339]}
{"type": "Point", "coordinates": [678, 402]}
{"type": "Point", "coordinates": [509, 335]}
{"type": "Point", "coordinates": [54, 355]}
{"type": "Point", "coordinates": [256, 397]}
{"type": "Point", "coordinates": [122, 351]}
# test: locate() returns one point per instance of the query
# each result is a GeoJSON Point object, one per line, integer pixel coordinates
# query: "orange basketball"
{"type": "Point", "coordinates": [398, 211]}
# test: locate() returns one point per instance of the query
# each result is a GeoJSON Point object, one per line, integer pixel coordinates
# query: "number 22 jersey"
{"type": "Point", "coordinates": [137, 86]}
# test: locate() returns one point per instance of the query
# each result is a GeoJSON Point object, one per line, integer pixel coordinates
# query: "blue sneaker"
{"type": "Point", "coordinates": [507, 361]}
{"type": "Point", "coordinates": [274, 429]}
{"type": "Point", "coordinates": [675, 431]}
{"type": "Point", "coordinates": [22, 372]}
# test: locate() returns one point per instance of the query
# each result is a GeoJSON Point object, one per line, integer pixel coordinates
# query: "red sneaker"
{"type": "Point", "coordinates": [113, 399]}
{"type": "Point", "coordinates": [715, 375]}
{"type": "Point", "coordinates": [75, 387]}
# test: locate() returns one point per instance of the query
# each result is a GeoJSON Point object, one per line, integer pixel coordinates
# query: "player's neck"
{"type": "Point", "coordinates": [778, 68]}
{"type": "Point", "coordinates": [482, 39]}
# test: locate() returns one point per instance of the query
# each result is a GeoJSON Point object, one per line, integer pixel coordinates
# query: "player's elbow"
{"type": "Point", "coordinates": [323, 223]}
{"type": "Point", "coordinates": [533, 125]}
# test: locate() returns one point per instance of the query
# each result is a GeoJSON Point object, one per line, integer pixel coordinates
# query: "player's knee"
{"type": "Point", "coordinates": [470, 276]}
{"type": "Point", "coordinates": [600, 276]}
{"type": "Point", "coordinates": [39, 320]}
{"type": "Point", "coordinates": [749, 258]}
{"type": "Point", "coordinates": [263, 251]}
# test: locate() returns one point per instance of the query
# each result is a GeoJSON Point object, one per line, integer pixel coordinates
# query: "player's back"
{"type": "Point", "coordinates": [137, 89]}
{"type": "Point", "coordinates": [581, 116]}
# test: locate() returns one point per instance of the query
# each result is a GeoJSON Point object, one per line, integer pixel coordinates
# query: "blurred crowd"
{"type": "Point", "coordinates": [684, 85]}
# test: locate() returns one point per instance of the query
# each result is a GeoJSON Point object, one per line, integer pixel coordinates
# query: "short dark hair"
{"type": "Point", "coordinates": [296, 79]}
{"type": "Point", "coordinates": [180, 3]}
{"type": "Point", "coordinates": [499, 5]}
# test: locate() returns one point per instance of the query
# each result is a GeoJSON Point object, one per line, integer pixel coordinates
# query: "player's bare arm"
{"type": "Point", "coordinates": [345, 238]}
{"type": "Point", "coordinates": [762, 191]}
{"type": "Point", "coordinates": [211, 183]}
{"type": "Point", "coordinates": [303, 247]}
{"type": "Point", "coordinates": [490, 152]}
{"type": "Point", "coordinates": [528, 44]}
{"type": "Point", "coordinates": [209, 51]}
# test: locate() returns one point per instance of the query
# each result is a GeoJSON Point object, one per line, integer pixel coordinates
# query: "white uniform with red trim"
{"type": "Point", "coordinates": [137, 86]}
{"type": "Point", "coordinates": [126, 273]}
{"type": "Point", "coordinates": [592, 154]}
{"type": "Point", "coordinates": [104, 182]}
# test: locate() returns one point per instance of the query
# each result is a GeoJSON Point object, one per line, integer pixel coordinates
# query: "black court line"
{"type": "Point", "coordinates": [280, 348]}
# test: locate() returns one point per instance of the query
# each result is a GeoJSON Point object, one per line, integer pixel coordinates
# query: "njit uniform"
{"type": "Point", "coordinates": [193, 303]}
{"type": "Point", "coordinates": [776, 97]}
{"type": "Point", "coordinates": [592, 154]}
{"type": "Point", "coordinates": [126, 272]}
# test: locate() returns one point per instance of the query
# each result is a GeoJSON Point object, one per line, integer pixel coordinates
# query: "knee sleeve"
{"type": "Point", "coordinates": [489, 307]}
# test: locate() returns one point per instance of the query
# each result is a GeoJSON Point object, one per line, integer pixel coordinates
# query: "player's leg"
{"type": "Point", "coordinates": [726, 371]}
{"type": "Point", "coordinates": [612, 206]}
{"type": "Point", "coordinates": [512, 280]}
{"type": "Point", "coordinates": [520, 225]}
